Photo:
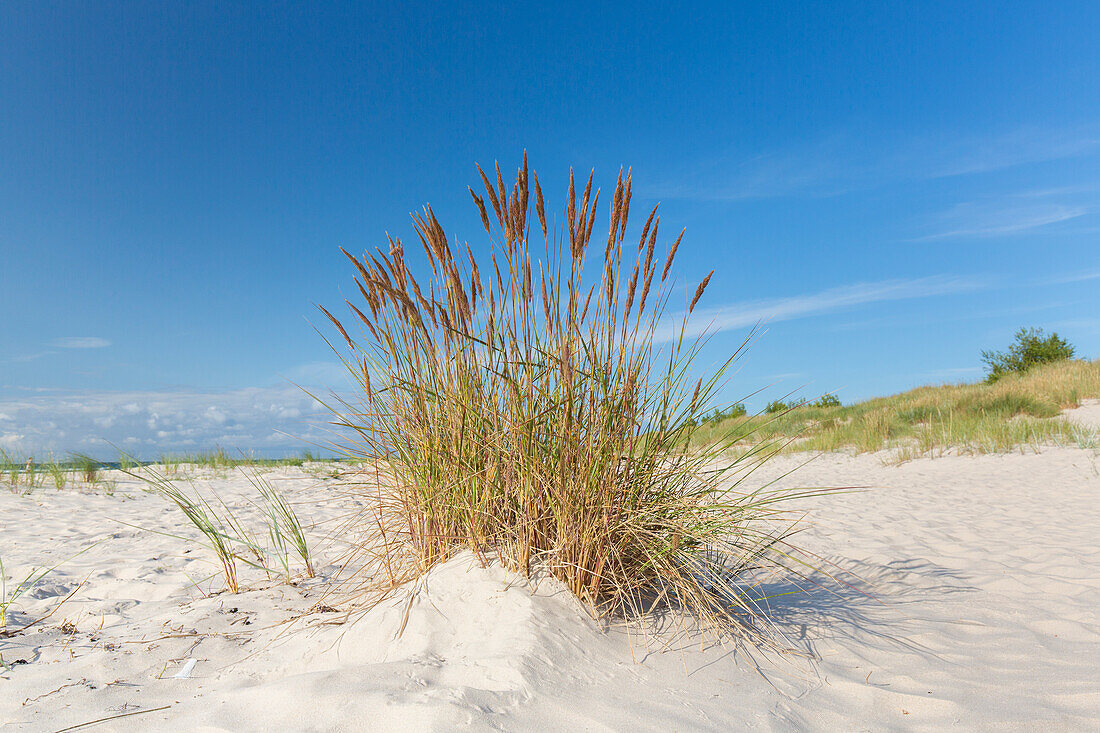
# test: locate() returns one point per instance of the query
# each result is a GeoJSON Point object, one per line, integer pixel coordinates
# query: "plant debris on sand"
{"type": "Point", "coordinates": [526, 408]}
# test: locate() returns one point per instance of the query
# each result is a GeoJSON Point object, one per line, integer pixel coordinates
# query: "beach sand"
{"type": "Point", "coordinates": [977, 606]}
{"type": "Point", "coordinates": [1087, 414]}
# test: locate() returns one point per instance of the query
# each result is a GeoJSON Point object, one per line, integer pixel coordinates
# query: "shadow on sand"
{"type": "Point", "coordinates": [872, 606]}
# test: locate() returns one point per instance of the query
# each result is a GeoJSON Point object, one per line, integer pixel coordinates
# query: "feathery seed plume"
{"type": "Point", "coordinates": [699, 292]}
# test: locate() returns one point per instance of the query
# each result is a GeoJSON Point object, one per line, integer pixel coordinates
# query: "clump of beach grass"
{"type": "Point", "coordinates": [284, 529]}
{"type": "Point", "coordinates": [220, 529]}
{"type": "Point", "coordinates": [534, 412]}
{"type": "Point", "coordinates": [21, 472]}
{"type": "Point", "coordinates": [9, 469]}
{"type": "Point", "coordinates": [227, 535]}
{"type": "Point", "coordinates": [87, 467]}
{"type": "Point", "coordinates": [170, 462]}
{"type": "Point", "coordinates": [57, 473]}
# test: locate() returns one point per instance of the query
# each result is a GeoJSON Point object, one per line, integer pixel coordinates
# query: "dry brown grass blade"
{"type": "Point", "coordinates": [671, 255]}
{"type": "Point", "coordinates": [481, 210]}
{"type": "Point", "coordinates": [571, 209]}
{"type": "Point", "coordinates": [699, 291]}
{"type": "Point", "coordinates": [626, 204]}
{"type": "Point", "coordinates": [503, 192]}
{"type": "Point", "coordinates": [540, 205]}
{"type": "Point", "coordinates": [492, 194]}
{"type": "Point", "coordinates": [338, 325]}
{"type": "Point", "coordinates": [358, 265]}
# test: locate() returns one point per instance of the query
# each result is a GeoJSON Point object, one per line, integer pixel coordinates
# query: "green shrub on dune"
{"type": "Point", "coordinates": [1031, 348]}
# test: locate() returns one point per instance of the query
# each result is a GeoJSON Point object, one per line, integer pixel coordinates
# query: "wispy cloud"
{"type": "Point", "coordinates": [821, 168]}
{"type": "Point", "coordinates": [784, 376]}
{"type": "Point", "coordinates": [23, 358]}
{"type": "Point", "coordinates": [36, 390]}
{"type": "Point", "coordinates": [326, 373]}
{"type": "Point", "coordinates": [1074, 278]}
{"type": "Point", "coordinates": [81, 342]}
{"type": "Point", "coordinates": [67, 342]}
{"type": "Point", "coordinates": [748, 313]}
{"type": "Point", "coordinates": [774, 174]}
{"type": "Point", "coordinates": [1038, 193]}
{"type": "Point", "coordinates": [841, 162]}
{"type": "Point", "coordinates": [954, 373]}
{"type": "Point", "coordinates": [984, 220]}
{"type": "Point", "coordinates": [1010, 149]}
{"type": "Point", "coordinates": [1076, 326]}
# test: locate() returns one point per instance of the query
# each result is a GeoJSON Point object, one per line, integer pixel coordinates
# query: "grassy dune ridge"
{"type": "Point", "coordinates": [1017, 410]}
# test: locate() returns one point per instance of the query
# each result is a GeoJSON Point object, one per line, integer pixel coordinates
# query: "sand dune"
{"type": "Point", "coordinates": [977, 608]}
{"type": "Point", "coordinates": [1086, 414]}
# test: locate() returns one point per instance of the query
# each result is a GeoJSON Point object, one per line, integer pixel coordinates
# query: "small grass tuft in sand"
{"type": "Point", "coordinates": [87, 467]}
{"type": "Point", "coordinates": [284, 529]}
{"type": "Point", "coordinates": [230, 539]}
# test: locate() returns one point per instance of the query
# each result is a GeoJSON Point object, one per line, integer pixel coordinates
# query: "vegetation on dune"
{"type": "Point", "coordinates": [718, 414]}
{"type": "Point", "coordinates": [777, 406]}
{"type": "Point", "coordinates": [1015, 410]}
{"type": "Point", "coordinates": [1030, 349]}
{"type": "Point", "coordinates": [221, 460]}
{"type": "Point", "coordinates": [10, 470]}
{"type": "Point", "coordinates": [24, 475]}
{"type": "Point", "coordinates": [531, 416]}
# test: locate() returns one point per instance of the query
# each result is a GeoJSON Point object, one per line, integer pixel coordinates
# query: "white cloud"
{"type": "Point", "coordinates": [81, 342]}
{"type": "Point", "coordinates": [275, 419]}
{"type": "Point", "coordinates": [11, 441]}
{"type": "Point", "coordinates": [748, 313]}
{"type": "Point", "coordinates": [216, 415]}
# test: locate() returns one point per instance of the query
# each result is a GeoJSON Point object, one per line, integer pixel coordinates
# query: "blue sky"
{"type": "Point", "coordinates": [893, 187]}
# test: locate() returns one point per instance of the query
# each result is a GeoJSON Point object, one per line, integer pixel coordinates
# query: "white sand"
{"type": "Point", "coordinates": [1087, 414]}
{"type": "Point", "coordinates": [985, 573]}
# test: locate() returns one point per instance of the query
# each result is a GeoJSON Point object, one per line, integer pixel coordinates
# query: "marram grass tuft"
{"type": "Point", "coordinates": [520, 406]}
